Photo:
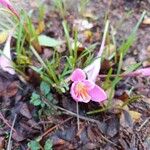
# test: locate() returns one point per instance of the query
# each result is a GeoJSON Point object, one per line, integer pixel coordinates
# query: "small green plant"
{"type": "Point", "coordinates": [35, 145]}
{"type": "Point", "coordinates": [82, 6]}
{"type": "Point", "coordinates": [43, 97]}
{"type": "Point", "coordinates": [60, 7]}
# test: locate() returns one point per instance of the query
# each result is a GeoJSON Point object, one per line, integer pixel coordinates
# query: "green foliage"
{"type": "Point", "coordinates": [48, 41]}
{"type": "Point", "coordinates": [48, 145]}
{"type": "Point", "coordinates": [111, 84]}
{"type": "Point", "coordinates": [60, 7]}
{"type": "Point", "coordinates": [36, 99]}
{"type": "Point", "coordinates": [8, 22]}
{"type": "Point", "coordinates": [82, 6]}
{"type": "Point", "coordinates": [45, 88]}
{"type": "Point", "coordinates": [34, 145]}
{"type": "Point", "coordinates": [43, 99]}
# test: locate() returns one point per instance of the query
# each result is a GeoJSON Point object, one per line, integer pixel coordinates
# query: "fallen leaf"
{"type": "Point", "coordinates": [41, 27]}
{"type": "Point", "coordinates": [82, 24]}
{"type": "Point", "coordinates": [112, 127]}
{"type": "Point", "coordinates": [17, 136]}
{"type": "Point", "coordinates": [128, 62]}
{"type": "Point", "coordinates": [12, 89]}
{"type": "Point", "coordinates": [126, 121]}
{"type": "Point", "coordinates": [5, 58]}
{"type": "Point", "coordinates": [48, 41]}
{"type": "Point", "coordinates": [136, 116]}
{"type": "Point", "coordinates": [24, 110]}
{"type": "Point", "coordinates": [88, 35]}
{"type": "Point", "coordinates": [110, 49]}
{"type": "Point", "coordinates": [146, 21]}
{"type": "Point", "coordinates": [90, 15]}
{"type": "Point", "coordinates": [124, 96]}
{"type": "Point", "coordinates": [146, 63]}
{"type": "Point", "coordinates": [47, 53]}
{"type": "Point", "coordinates": [117, 106]}
{"type": "Point", "coordinates": [146, 100]}
{"type": "Point", "coordinates": [3, 36]}
{"type": "Point", "coordinates": [2, 142]}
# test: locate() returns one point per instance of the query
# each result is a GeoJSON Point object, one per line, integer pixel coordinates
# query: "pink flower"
{"type": "Point", "coordinates": [5, 59]}
{"type": "Point", "coordinates": [8, 4]}
{"type": "Point", "coordinates": [143, 72]}
{"type": "Point", "coordinates": [83, 90]}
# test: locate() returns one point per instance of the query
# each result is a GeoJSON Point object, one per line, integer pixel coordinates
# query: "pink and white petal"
{"type": "Point", "coordinates": [8, 4]}
{"type": "Point", "coordinates": [5, 59]}
{"type": "Point", "coordinates": [85, 99]}
{"type": "Point", "coordinates": [89, 84]}
{"type": "Point", "coordinates": [144, 71]}
{"type": "Point", "coordinates": [78, 98]}
{"type": "Point", "coordinates": [72, 91]}
{"type": "Point", "coordinates": [97, 94]}
{"type": "Point", "coordinates": [78, 75]}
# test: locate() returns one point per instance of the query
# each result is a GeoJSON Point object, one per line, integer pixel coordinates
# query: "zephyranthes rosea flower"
{"type": "Point", "coordinates": [83, 90]}
{"type": "Point", "coordinates": [8, 4]}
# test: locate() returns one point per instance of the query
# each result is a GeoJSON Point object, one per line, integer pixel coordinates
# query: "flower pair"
{"type": "Point", "coordinates": [83, 90]}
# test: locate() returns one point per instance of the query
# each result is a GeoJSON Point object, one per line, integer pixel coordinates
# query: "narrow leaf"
{"type": "Point", "coordinates": [48, 41]}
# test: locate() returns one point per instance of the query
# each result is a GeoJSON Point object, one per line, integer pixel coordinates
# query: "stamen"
{"type": "Point", "coordinates": [82, 91]}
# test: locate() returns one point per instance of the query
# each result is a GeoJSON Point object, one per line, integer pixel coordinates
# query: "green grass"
{"type": "Point", "coordinates": [60, 7]}
{"type": "Point", "coordinates": [29, 45]}
{"type": "Point", "coordinates": [122, 50]}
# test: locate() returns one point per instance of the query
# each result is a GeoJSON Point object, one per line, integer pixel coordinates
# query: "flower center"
{"type": "Point", "coordinates": [82, 90]}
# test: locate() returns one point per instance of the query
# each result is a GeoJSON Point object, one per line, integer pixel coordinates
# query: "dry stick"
{"type": "Point", "coordinates": [11, 131]}
{"type": "Point", "coordinates": [67, 112]}
{"type": "Point", "coordinates": [54, 127]}
{"type": "Point", "coordinates": [143, 124]}
{"type": "Point", "coordinates": [131, 74]}
{"type": "Point", "coordinates": [78, 120]}
{"type": "Point", "coordinates": [6, 122]}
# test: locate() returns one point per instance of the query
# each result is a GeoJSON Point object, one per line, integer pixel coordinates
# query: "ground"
{"type": "Point", "coordinates": [110, 130]}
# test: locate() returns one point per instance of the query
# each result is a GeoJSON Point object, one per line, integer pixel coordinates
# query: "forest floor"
{"type": "Point", "coordinates": [114, 129]}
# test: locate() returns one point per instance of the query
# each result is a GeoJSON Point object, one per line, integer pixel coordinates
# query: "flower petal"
{"type": "Point", "coordinates": [78, 75]}
{"type": "Point", "coordinates": [76, 97]}
{"type": "Point", "coordinates": [8, 4]}
{"type": "Point", "coordinates": [144, 71]}
{"type": "Point", "coordinates": [97, 94]}
{"type": "Point", "coordinates": [89, 84]}
{"type": "Point", "coordinates": [5, 58]}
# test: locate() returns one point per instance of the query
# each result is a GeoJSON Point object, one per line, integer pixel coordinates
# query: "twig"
{"type": "Point", "coordinates": [6, 122]}
{"type": "Point", "coordinates": [131, 74]}
{"type": "Point", "coordinates": [107, 140]}
{"type": "Point", "coordinates": [67, 112]}
{"type": "Point", "coordinates": [9, 145]}
{"type": "Point", "coordinates": [143, 124]}
{"type": "Point", "coordinates": [78, 121]}
{"type": "Point", "coordinates": [54, 127]}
